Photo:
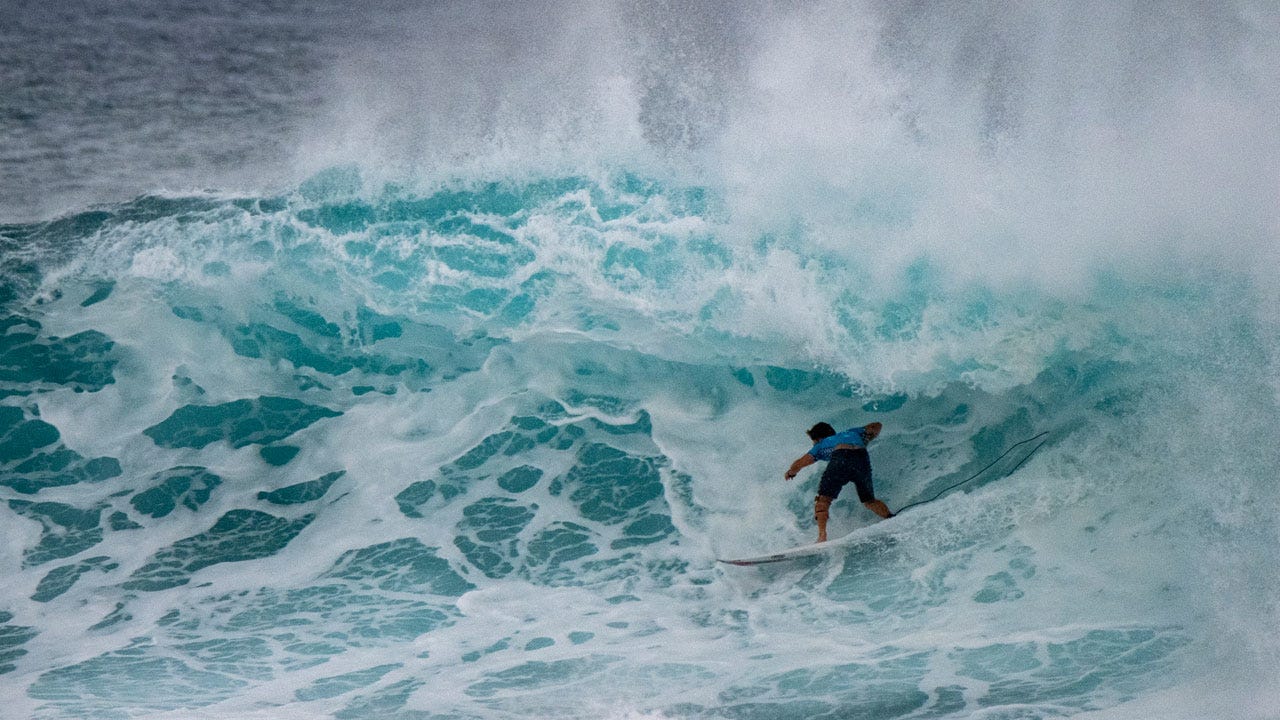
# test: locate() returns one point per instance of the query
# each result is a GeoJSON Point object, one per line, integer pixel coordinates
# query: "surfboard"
{"type": "Point", "coordinates": [856, 538]}
{"type": "Point", "coordinates": [792, 554]}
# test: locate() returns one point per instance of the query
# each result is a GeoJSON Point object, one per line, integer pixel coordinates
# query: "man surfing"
{"type": "Point", "coordinates": [847, 462]}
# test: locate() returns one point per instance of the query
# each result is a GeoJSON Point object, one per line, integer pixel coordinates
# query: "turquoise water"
{"type": "Point", "coordinates": [465, 439]}
{"type": "Point", "coordinates": [325, 455]}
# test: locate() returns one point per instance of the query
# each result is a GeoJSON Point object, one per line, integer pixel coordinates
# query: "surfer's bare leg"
{"type": "Point", "coordinates": [822, 511]}
{"type": "Point", "coordinates": [878, 507]}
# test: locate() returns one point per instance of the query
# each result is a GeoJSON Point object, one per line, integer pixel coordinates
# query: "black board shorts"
{"type": "Point", "coordinates": [848, 466]}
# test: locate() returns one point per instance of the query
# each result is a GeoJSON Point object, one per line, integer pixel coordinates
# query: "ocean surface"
{"type": "Point", "coordinates": [418, 361]}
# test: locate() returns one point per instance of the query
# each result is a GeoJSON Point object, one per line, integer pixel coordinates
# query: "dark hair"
{"type": "Point", "coordinates": [820, 431]}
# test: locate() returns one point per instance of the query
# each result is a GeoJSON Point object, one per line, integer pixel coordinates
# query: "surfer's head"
{"type": "Point", "coordinates": [873, 430]}
{"type": "Point", "coordinates": [820, 431]}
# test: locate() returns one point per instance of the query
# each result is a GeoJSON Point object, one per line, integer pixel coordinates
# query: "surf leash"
{"type": "Point", "coordinates": [990, 465]}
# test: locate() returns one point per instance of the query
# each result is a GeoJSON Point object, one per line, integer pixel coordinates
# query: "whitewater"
{"type": "Point", "coordinates": [420, 361]}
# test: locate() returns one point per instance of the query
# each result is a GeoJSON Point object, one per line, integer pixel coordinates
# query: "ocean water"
{"type": "Point", "coordinates": [411, 362]}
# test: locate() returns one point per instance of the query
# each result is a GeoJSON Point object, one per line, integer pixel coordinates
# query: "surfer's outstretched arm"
{"type": "Point", "coordinates": [801, 462]}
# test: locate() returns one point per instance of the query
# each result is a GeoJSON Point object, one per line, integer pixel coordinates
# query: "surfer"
{"type": "Point", "coordinates": [847, 462]}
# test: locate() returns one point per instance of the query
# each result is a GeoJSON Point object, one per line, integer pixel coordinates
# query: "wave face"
{"type": "Point", "coordinates": [466, 442]}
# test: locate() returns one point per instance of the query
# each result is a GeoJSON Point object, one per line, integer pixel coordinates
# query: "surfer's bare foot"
{"type": "Point", "coordinates": [822, 537]}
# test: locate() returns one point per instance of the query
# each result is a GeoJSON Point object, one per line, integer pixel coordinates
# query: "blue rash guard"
{"type": "Point", "coordinates": [855, 436]}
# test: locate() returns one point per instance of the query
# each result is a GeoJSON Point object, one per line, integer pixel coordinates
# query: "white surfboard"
{"type": "Point", "coordinates": [843, 543]}
{"type": "Point", "coordinates": [792, 554]}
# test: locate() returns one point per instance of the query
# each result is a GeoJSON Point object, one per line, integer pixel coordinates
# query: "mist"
{"type": "Point", "coordinates": [1002, 142]}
